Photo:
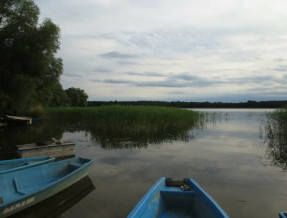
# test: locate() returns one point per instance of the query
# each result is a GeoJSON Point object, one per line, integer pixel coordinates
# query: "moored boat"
{"type": "Point", "coordinates": [51, 148]}
{"type": "Point", "coordinates": [24, 188]}
{"type": "Point", "coordinates": [60, 202]}
{"type": "Point", "coordinates": [17, 120]}
{"type": "Point", "coordinates": [168, 198]}
{"type": "Point", "coordinates": [283, 215]}
{"type": "Point", "coordinates": [19, 164]}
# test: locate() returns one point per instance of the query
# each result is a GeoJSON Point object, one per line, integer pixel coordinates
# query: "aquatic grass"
{"type": "Point", "coordinates": [276, 137]}
{"type": "Point", "coordinates": [128, 120]}
{"type": "Point", "coordinates": [279, 115]}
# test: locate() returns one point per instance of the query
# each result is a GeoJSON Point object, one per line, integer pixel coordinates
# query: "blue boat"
{"type": "Point", "coordinates": [24, 188]}
{"type": "Point", "coordinates": [283, 215]}
{"type": "Point", "coordinates": [168, 198]}
{"type": "Point", "coordinates": [19, 164]}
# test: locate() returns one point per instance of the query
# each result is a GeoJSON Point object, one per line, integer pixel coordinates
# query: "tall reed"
{"type": "Point", "coordinates": [276, 136]}
{"type": "Point", "coordinates": [128, 119]}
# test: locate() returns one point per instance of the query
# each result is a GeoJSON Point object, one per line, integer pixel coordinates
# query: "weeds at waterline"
{"type": "Point", "coordinates": [128, 120]}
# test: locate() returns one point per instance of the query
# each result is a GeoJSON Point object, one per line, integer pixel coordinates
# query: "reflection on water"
{"type": "Point", "coordinates": [112, 140]}
{"type": "Point", "coordinates": [276, 138]}
{"type": "Point", "coordinates": [139, 141]}
{"type": "Point", "coordinates": [59, 203]}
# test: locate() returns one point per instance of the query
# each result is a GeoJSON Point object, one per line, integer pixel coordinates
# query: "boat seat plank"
{"type": "Point", "coordinates": [170, 192]}
{"type": "Point", "coordinates": [75, 165]}
{"type": "Point", "coordinates": [175, 190]}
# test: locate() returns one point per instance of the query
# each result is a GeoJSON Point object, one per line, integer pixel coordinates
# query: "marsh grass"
{"type": "Point", "coordinates": [128, 120]}
{"type": "Point", "coordinates": [276, 136]}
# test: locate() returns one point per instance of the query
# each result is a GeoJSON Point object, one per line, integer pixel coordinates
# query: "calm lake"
{"type": "Point", "coordinates": [229, 156]}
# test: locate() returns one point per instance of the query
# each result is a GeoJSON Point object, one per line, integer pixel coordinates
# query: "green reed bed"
{"type": "Point", "coordinates": [128, 119]}
{"type": "Point", "coordinates": [277, 124]}
{"type": "Point", "coordinates": [276, 129]}
{"type": "Point", "coordinates": [279, 116]}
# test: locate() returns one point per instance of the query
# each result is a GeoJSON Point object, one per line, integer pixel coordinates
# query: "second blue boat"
{"type": "Point", "coordinates": [168, 198]}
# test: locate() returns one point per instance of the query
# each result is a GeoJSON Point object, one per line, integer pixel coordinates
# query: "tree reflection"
{"type": "Point", "coordinates": [276, 138]}
{"type": "Point", "coordinates": [116, 140]}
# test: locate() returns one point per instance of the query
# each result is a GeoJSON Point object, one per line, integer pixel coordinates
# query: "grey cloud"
{"type": "Point", "coordinates": [117, 55]}
{"type": "Point", "coordinates": [182, 40]}
{"type": "Point", "coordinates": [186, 77]}
{"type": "Point", "coordinates": [162, 83]}
{"type": "Point", "coordinates": [187, 80]}
{"type": "Point", "coordinates": [128, 63]}
{"type": "Point", "coordinates": [102, 70]}
{"type": "Point", "coordinates": [154, 74]}
{"type": "Point", "coordinates": [115, 81]}
{"type": "Point", "coordinates": [146, 74]}
{"type": "Point", "coordinates": [72, 75]}
{"type": "Point", "coordinates": [281, 68]}
{"type": "Point", "coordinates": [176, 93]}
{"type": "Point", "coordinates": [133, 73]}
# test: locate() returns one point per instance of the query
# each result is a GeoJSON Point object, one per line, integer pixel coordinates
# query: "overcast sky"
{"type": "Point", "coordinates": [187, 50]}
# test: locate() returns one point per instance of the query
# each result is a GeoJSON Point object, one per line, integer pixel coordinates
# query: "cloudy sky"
{"type": "Point", "coordinates": [187, 50]}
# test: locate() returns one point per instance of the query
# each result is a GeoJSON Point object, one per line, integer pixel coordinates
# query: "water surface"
{"type": "Point", "coordinates": [228, 157]}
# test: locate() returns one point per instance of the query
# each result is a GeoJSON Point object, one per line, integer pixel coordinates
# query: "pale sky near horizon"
{"type": "Point", "coordinates": [224, 50]}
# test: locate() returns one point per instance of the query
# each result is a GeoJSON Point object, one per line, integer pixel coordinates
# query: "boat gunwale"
{"type": "Point", "coordinates": [2, 162]}
{"type": "Point", "coordinates": [283, 214]}
{"type": "Point", "coordinates": [33, 146]}
{"type": "Point", "coordinates": [45, 159]}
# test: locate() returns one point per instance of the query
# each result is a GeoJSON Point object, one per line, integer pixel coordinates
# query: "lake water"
{"type": "Point", "coordinates": [228, 157]}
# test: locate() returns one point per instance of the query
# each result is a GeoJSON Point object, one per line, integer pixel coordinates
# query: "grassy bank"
{"type": "Point", "coordinates": [128, 119]}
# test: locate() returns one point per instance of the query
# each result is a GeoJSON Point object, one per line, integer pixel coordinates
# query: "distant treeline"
{"type": "Point", "coordinates": [182, 104]}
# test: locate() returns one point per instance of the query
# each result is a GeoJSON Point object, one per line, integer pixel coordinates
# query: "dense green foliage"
{"type": "Point", "coordinates": [128, 120]}
{"type": "Point", "coordinates": [77, 97]}
{"type": "Point", "coordinates": [29, 69]}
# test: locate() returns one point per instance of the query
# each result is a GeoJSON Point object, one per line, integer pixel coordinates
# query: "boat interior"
{"type": "Point", "coordinates": [30, 180]}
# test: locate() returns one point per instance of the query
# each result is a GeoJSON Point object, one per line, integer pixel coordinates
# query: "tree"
{"type": "Point", "coordinates": [29, 69]}
{"type": "Point", "coordinates": [77, 97]}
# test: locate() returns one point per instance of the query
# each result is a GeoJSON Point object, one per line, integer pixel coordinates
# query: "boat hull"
{"type": "Point", "coordinates": [20, 164]}
{"type": "Point", "coordinates": [60, 202]}
{"type": "Point", "coordinates": [17, 120]}
{"type": "Point", "coordinates": [54, 149]}
{"type": "Point", "coordinates": [56, 183]}
{"type": "Point", "coordinates": [164, 201]}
